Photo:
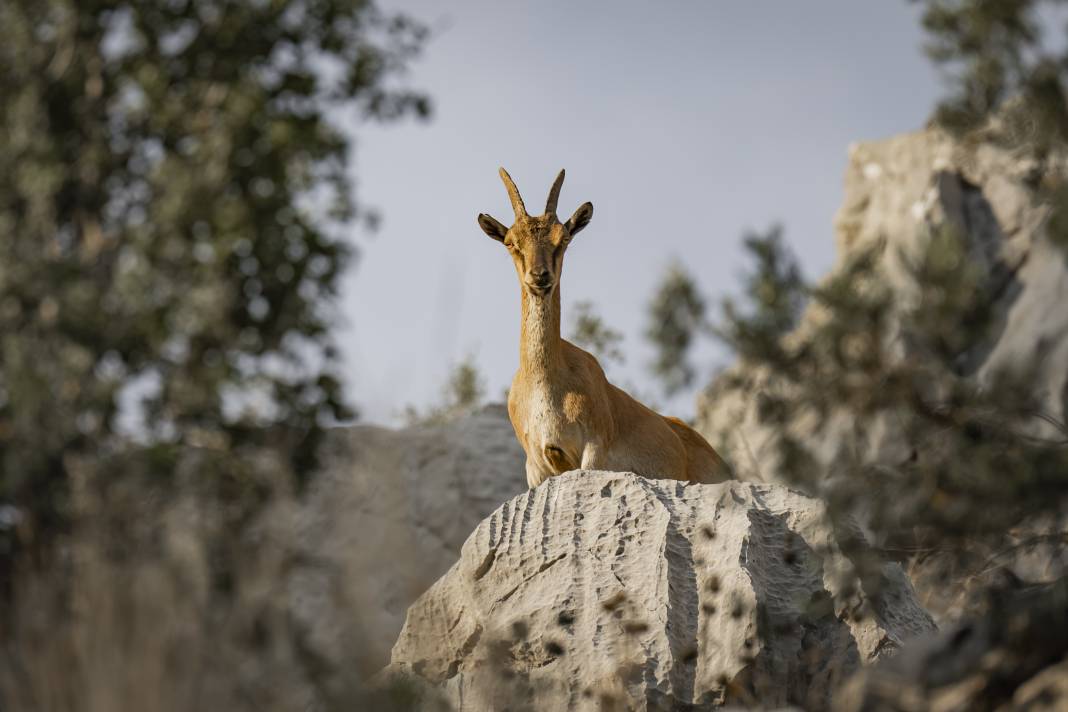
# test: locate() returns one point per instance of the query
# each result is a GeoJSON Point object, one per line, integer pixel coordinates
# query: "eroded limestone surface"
{"type": "Point", "coordinates": [602, 585]}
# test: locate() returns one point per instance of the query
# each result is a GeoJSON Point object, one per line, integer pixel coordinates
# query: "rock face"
{"type": "Point", "coordinates": [898, 193]}
{"type": "Point", "coordinates": [602, 588]}
{"type": "Point", "coordinates": [385, 519]}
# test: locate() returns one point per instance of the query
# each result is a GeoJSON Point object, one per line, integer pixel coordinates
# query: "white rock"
{"type": "Point", "coordinates": [603, 586]}
{"type": "Point", "coordinates": [986, 193]}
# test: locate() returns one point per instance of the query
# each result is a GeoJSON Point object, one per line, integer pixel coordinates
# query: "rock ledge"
{"type": "Point", "coordinates": [602, 586]}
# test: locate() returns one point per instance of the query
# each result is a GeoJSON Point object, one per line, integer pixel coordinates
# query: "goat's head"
{"type": "Point", "coordinates": [537, 243]}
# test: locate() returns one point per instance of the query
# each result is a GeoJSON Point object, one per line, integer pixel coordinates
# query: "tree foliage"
{"type": "Point", "coordinates": [971, 446]}
{"type": "Point", "coordinates": [175, 190]}
{"type": "Point", "coordinates": [676, 317]}
{"type": "Point", "coordinates": [173, 193]}
{"type": "Point", "coordinates": [774, 292]}
{"type": "Point", "coordinates": [464, 391]}
{"type": "Point", "coordinates": [773, 295]}
{"type": "Point", "coordinates": [995, 53]}
{"type": "Point", "coordinates": [984, 472]}
{"type": "Point", "coordinates": [590, 332]}
{"type": "Point", "coordinates": [984, 475]}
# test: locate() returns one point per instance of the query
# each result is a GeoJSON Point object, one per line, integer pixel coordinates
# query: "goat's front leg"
{"type": "Point", "coordinates": [594, 456]}
{"type": "Point", "coordinates": [535, 475]}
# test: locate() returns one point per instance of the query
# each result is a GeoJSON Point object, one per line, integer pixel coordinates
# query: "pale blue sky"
{"type": "Point", "coordinates": [685, 123]}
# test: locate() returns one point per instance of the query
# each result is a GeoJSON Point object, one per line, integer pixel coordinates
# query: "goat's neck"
{"type": "Point", "coordinates": [539, 338]}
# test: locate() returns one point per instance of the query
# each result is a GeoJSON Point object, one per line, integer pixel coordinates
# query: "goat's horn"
{"type": "Point", "coordinates": [554, 194]}
{"type": "Point", "coordinates": [513, 194]}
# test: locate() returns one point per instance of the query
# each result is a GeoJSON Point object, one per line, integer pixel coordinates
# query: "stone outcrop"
{"type": "Point", "coordinates": [898, 193]}
{"type": "Point", "coordinates": [601, 588]}
{"type": "Point", "coordinates": [384, 520]}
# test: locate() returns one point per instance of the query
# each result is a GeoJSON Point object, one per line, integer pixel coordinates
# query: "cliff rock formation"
{"type": "Point", "coordinates": [898, 193]}
{"type": "Point", "coordinates": [602, 588]}
{"type": "Point", "coordinates": [901, 193]}
{"type": "Point", "coordinates": [385, 519]}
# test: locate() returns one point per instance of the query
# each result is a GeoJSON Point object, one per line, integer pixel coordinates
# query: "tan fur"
{"type": "Point", "coordinates": [565, 413]}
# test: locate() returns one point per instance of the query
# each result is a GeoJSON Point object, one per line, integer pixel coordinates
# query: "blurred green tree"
{"type": "Point", "coordinates": [589, 331]}
{"type": "Point", "coordinates": [984, 472]}
{"type": "Point", "coordinates": [774, 292]}
{"type": "Point", "coordinates": [462, 394]}
{"type": "Point", "coordinates": [998, 61]}
{"type": "Point", "coordinates": [985, 475]}
{"type": "Point", "coordinates": [174, 189]}
{"type": "Point", "coordinates": [1006, 79]}
{"type": "Point", "coordinates": [676, 316]}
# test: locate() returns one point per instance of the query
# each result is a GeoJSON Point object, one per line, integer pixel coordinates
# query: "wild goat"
{"type": "Point", "coordinates": [565, 413]}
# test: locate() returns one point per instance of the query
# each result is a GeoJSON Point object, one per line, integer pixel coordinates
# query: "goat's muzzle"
{"type": "Point", "coordinates": [540, 283]}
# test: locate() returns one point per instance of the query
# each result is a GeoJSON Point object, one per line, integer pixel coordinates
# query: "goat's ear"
{"type": "Point", "coordinates": [492, 227]}
{"type": "Point", "coordinates": [580, 219]}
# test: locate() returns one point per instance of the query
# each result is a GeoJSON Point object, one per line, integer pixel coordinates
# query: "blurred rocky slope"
{"type": "Point", "coordinates": [386, 518]}
{"type": "Point", "coordinates": [132, 617]}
